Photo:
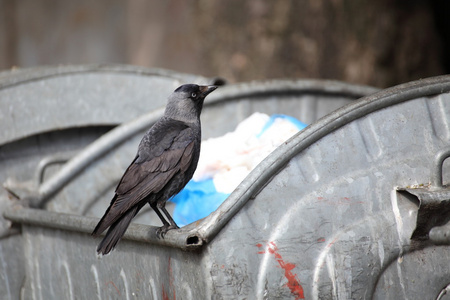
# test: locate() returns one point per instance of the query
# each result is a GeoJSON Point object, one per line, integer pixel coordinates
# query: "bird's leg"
{"type": "Point", "coordinates": [163, 220]}
{"type": "Point", "coordinates": [161, 232]}
{"type": "Point", "coordinates": [169, 217]}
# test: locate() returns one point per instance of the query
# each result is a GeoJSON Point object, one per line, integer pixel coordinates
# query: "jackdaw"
{"type": "Point", "coordinates": [166, 160]}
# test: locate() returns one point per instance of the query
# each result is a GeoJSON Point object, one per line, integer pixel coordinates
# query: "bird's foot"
{"type": "Point", "coordinates": [161, 231]}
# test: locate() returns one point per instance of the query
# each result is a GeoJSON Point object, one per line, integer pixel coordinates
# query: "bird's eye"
{"type": "Point", "coordinates": [193, 95]}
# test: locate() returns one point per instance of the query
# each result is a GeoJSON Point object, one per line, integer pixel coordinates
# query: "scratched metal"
{"type": "Point", "coordinates": [89, 100]}
{"type": "Point", "coordinates": [95, 96]}
{"type": "Point", "coordinates": [302, 99]}
{"type": "Point", "coordinates": [321, 218]}
{"type": "Point", "coordinates": [45, 99]}
{"type": "Point", "coordinates": [49, 114]}
{"type": "Point", "coordinates": [330, 225]}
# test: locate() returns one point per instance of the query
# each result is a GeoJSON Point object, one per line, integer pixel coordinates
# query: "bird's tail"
{"type": "Point", "coordinates": [106, 220]}
{"type": "Point", "coordinates": [116, 231]}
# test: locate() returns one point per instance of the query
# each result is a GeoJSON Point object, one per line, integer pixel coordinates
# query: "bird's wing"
{"type": "Point", "coordinates": [158, 154]}
{"type": "Point", "coordinates": [166, 153]}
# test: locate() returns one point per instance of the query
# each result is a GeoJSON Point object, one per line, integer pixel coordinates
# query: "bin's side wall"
{"type": "Point", "coordinates": [63, 265]}
{"type": "Point", "coordinates": [12, 271]}
{"type": "Point", "coordinates": [332, 224]}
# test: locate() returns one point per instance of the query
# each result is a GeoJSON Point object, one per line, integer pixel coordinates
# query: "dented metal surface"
{"type": "Point", "coordinates": [323, 217]}
{"type": "Point", "coordinates": [434, 210]}
{"type": "Point", "coordinates": [433, 200]}
{"type": "Point", "coordinates": [48, 115]}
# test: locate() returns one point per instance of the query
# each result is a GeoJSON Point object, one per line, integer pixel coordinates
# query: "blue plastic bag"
{"type": "Point", "coordinates": [199, 198]}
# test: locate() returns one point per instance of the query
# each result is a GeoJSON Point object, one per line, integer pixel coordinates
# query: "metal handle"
{"type": "Point", "coordinates": [436, 172]}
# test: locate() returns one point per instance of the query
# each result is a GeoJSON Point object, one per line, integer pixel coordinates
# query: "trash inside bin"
{"type": "Point", "coordinates": [225, 162]}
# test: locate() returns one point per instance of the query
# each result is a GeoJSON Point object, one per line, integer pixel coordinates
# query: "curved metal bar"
{"type": "Point", "coordinates": [19, 76]}
{"type": "Point", "coordinates": [436, 170]}
{"type": "Point", "coordinates": [57, 158]}
{"type": "Point", "coordinates": [288, 87]}
{"type": "Point", "coordinates": [83, 224]}
{"type": "Point", "coordinates": [45, 77]}
{"type": "Point", "coordinates": [94, 151]}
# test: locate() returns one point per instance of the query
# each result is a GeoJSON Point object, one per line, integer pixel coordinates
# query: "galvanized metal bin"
{"type": "Point", "coordinates": [47, 116]}
{"type": "Point", "coordinates": [330, 214]}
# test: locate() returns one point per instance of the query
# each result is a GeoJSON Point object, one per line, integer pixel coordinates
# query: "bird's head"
{"type": "Point", "coordinates": [186, 102]}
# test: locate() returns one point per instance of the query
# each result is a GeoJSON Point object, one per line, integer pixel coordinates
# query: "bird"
{"type": "Point", "coordinates": [166, 159]}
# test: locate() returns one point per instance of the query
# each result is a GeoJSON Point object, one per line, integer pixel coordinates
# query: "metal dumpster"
{"type": "Point", "coordinates": [353, 207]}
{"type": "Point", "coordinates": [47, 116]}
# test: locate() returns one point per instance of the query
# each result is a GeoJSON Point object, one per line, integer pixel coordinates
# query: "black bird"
{"type": "Point", "coordinates": [166, 160]}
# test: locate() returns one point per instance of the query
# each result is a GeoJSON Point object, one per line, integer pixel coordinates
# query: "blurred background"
{"type": "Point", "coordinates": [379, 43]}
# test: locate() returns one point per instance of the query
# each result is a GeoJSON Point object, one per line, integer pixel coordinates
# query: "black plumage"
{"type": "Point", "coordinates": [166, 160]}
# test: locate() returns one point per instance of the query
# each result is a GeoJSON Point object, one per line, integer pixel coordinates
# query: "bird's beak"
{"type": "Point", "coordinates": [206, 89]}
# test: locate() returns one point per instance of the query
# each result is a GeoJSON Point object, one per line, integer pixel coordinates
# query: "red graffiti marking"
{"type": "Point", "coordinates": [165, 295]}
{"type": "Point", "coordinates": [332, 242]}
{"type": "Point", "coordinates": [259, 246]}
{"type": "Point", "coordinates": [112, 283]}
{"type": "Point", "coordinates": [293, 282]}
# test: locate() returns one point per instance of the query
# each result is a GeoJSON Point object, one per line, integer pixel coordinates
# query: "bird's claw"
{"type": "Point", "coordinates": [161, 231]}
